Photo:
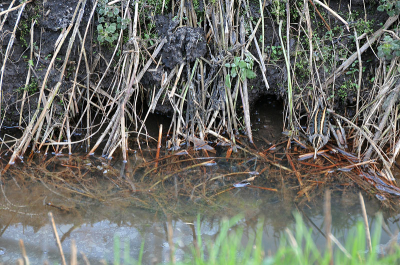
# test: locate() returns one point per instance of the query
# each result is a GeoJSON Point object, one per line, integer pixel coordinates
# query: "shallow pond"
{"type": "Point", "coordinates": [95, 224]}
{"type": "Point", "coordinates": [95, 227]}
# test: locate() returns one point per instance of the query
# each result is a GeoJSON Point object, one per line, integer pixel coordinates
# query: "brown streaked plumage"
{"type": "Point", "coordinates": [318, 129]}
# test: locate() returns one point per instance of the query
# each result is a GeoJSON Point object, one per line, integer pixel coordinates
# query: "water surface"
{"type": "Point", "coordinates": [137, 216]}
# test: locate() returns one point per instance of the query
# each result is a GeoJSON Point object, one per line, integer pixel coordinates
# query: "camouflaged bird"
{"type": "Point", "coordinates": [318, 129]}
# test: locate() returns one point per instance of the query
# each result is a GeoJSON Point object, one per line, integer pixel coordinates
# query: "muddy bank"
{"type": "Point", "coordinates": [184, 45]}
{"type": "Point", "coordinates": [78, 73]}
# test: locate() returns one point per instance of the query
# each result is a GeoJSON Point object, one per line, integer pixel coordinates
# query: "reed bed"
{"type": "Point", "coordinates": [208, 91]}
{"type": "Point", "coordinates": [112, 110]}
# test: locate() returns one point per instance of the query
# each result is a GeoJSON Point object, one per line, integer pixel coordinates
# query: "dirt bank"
{"type": "Point", "coordinates": [184, 45]}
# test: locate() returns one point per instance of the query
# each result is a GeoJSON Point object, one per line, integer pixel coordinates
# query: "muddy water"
{"type": "Point", "coordinates": [95, 225]}
{"type": "Point", "coordinates": [95, 232]}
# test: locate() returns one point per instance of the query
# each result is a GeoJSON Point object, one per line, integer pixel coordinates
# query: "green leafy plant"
{"type": "Point", "coordinates": [107, 32]}
{"type": "Point", "coordinates": [243, 68]}
{"type": "Point", "coordinates": [24, 32]}
{"type": "Point", "coordinates": [392, 7]}
{"type": "Point", "coordinates": [389, 49]}
{"type": "Point", "coordinates": [353, 68]}
{"type": "Point", "coordinates": [148, 11]}
{"type": "Point", "coordinates": [302, 69]}
{"type": "Point", "coordinates": [278, 9]}
{"type": "Point", "coordinates": [275, 51]}
{"type": "Point", "coordinates": [31, 88]}
{"type": "Point", "coordinates": [345, 89]}
{"type": "Point", "coordinates": [363, 26]}
{"type": "Point", "coordinates": [149, 35]}
{"type": "Point", "coordinates": [48, 56]}
{"type": "Point", "coordinates": [24, 26]}
{"type": "Point", "coordinates": [110, 22]}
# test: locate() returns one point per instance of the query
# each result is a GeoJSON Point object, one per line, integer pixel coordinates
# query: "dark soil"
{"type": "Point", "coordinates": [184, 45]}
{"type": "Point", "coordinates": [53, 16]}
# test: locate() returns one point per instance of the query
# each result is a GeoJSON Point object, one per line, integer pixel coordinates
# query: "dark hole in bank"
{"type": "Point", "coordinates": [267, 120]}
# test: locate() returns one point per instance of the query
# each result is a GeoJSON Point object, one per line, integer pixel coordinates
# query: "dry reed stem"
{"type": "Point", "coordinates": [182, 100]}
{"type": "Point", "coordinates": [289, 81]}
{"type": "Point", "coordinates": [6, 15]}
{"type": "Point", "coordinates": [128, 92]}
{"type": "Point", "coordinates": [298, 175]}
{"type": "Point", "coordinates": [179, 171]}
{"type": "Point", "coordinates": [117, 139]}
{"type": "Point", "coordinates": [124, 140]}
{"type": "Point", "coordinates": [319, 14]}
{"type": "Point", "coordinates": [366, 225]}
{"type": "Point", "coordinates": [15, 8]}
{"type": "Point", "coordinates": [363, 48]}
{"type": "Point", "coordinates": [340, 246]}
{"type": "Point", "coordinates": [253, 34]}
{"type": "Point", "coordinates": [23, 252]}
{"type": "Point", "coordinates": [170, 236]}
{"type": "Point", "coordinates": [74, 258]}
{"type": "Point", "coordinates": [359, 70]}
{"type": "Point", "coordinates": [53, 225]}
{"type": "Point", "coordinates": [260, 54]}
{"type": "Point", "coordinates": [328, 224]}
{"type": "Point", "coordinates": [34, 124]}
{"type": "Point", "coordinates": [85, 259]}
{"type": "Point", "coordinates": [83, 52]}
{"type": "Point", "coordinates": [310, 41]}
{"type": "Point", "coordinates": [69, 48]}
{"type": "Point", "coordinates": [383, 121]}
{"type": "Point", "coordinates": [158, 145]}
{"type": "Point", "coordinates": [333, 13]}
{"type": "Point", "coordinates": [165, 82]}
{"type": "Point", "coordinates": [378, 151]}
{"type": "Point", "coordinates": [244, 92]}
{"type": "Point", "coordinates": [8, 50]}
{"type": "Point", "coordinates": [135, 81]}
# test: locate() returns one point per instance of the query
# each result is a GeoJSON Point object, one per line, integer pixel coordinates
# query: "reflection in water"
{"type": "Point", "coordinates": [94, 228]}
{"type": "Point", "coordinates": [94, 220]}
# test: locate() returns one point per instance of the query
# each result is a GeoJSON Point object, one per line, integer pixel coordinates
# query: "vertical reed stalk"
{"type": "Point", "coordinates": [53, 225]}
{"type": "Point", "coordinates": [289, 80]}
{"type": "Point", "coordinates": [328, 224]}
{"type": "Point", "coordinates": [263, 28]}
{"type": "Point", "coordinates": [158, 145]}
{"type": "Point", "coordinates": [366, 225]}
